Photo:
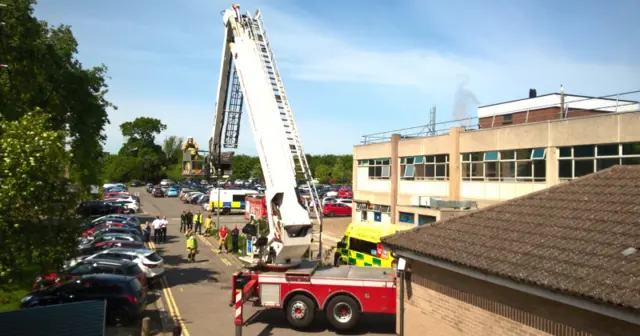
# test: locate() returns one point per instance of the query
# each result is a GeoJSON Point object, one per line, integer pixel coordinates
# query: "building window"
{"type": "Point", "coordinates": [582, 160]}
{"type": "Point", "coordinates": [406, 217]}
{"type": "Point", "coordinates": [379, 210]}
{"type": "Point", "coordinates": [520, 165]}
{"type": "Point", "coordinates": [430, 167]}
{"type": "Point", "coordinates": [379, 169]}
{"type": "Point", "coordinates": [426, 219]}
{"type": "Point", "coordinates": [507, 119]}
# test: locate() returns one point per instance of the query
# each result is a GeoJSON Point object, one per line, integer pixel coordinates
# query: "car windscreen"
{"type": "Point", "coordinates": [133, 270]}
{"type": "Point", "coordinates": [153, 257]}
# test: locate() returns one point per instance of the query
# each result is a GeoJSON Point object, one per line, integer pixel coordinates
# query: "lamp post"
{"type": "Point", "coordinates": [218, 202]}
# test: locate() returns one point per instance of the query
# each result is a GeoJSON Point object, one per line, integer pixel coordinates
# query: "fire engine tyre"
{"type": "Point", "coordinates": [301, 311]}
{"type": "Point", "coordinates": [343, 312]}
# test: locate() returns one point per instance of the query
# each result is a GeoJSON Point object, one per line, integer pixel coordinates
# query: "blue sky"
{"type": "Point", "coordinates": [353, 67]}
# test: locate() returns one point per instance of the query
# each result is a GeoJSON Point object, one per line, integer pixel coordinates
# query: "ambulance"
{"type": "Point", "coordinates": [361, 244]}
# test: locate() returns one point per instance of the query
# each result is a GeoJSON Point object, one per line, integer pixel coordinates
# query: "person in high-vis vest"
{"type": "Point", "coordinates": [192, 246]}
{"type": "Point", "coordinates": [208, 226]}
{"type": "Point", "coordinates": [197, 221]}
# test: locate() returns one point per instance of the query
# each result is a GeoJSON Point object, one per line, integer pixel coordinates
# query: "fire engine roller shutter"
{"type": "Point", "coordinates": [59, 319]}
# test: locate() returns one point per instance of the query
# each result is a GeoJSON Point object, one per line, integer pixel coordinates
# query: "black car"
{"type": "Point", "coordinates": [95, 208]}
{"type": "Point", "coordinates": [125, 296]}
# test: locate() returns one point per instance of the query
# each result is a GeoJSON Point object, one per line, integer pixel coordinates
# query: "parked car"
{"type": "Point", "coordinates": [113, 230]}
{"type": "Point", "coordinates": [336, 209]}
{"type": "Point", "coordinates": [106, 244]}
{"type": "Point", "coordinates": [94, 266]}
{"type": "Point", "coordinates": [124, 295]}
{"type": "Point", "coordinates": [90, 228]}
{"type": "Point", "coordinates": [157, 192]}
{"type": "Point", "coordinates": [345, 193]}
{"type": "Point", "coordinates": [95, 208]}
{"type": "Point", "coordinates": [173, 192]}
{"type": "Point", "coordinates": [148, 260]}
{"type": "Point", "coordinates": [136, 184]}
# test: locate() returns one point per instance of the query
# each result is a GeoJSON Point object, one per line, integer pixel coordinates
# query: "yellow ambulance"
{"type": "Point", "coordinates": [361, 244]}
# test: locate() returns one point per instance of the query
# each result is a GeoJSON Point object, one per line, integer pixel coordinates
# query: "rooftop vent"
{"type": "Point", "coordinates": [533, 93]}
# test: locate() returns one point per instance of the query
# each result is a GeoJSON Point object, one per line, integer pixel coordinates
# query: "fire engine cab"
{"type": "Point", "coordinates": [284, 274]}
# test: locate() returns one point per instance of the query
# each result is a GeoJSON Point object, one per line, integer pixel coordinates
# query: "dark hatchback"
{"type": "Point", "coordinates": [125, 296]}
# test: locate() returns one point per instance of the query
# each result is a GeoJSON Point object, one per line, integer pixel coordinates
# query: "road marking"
{"type": "Point", "coordinates": [208, 243]}
{"type": "Point", "coordinates": [227, 262]}
{"type": "Point", "coordinates": [171, 303]}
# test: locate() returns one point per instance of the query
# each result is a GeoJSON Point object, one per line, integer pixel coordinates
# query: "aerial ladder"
{"type": "Point", "coordinates": [281, 277]}
{"type": "Point", "coordinates": [249, 78]}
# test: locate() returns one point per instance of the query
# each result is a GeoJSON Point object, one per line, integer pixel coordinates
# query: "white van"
{"type": "Point", "coordinates": [231, 200]}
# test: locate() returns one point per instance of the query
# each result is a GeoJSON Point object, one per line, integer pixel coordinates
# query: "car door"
{"type": "Point", "coordinates": [342, 209]}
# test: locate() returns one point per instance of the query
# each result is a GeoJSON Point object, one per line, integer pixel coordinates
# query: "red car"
{"type": "Point", "coordinates": [93, 266]}
{"type": "Point", "coordinates": [336, 209]}
{"type": "Point", "coordinates": [345, 193]}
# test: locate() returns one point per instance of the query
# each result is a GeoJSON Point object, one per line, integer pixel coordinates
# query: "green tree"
{"type": "Point", "coordinates": [323, 173]}
{"type": "Point", "coordinates": [172, 148]}
{"type": "Point", "coordinates": [142, 129]}
{"type": "Point", "coordinates": [36, 201]}
{"type": "Point", "coordinates": [257, 171]}
{"type": "Point", "coordinates": [44, 73]}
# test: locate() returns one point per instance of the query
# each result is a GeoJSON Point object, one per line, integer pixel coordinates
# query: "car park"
{"type": "Point", "coordinates": [148, 260]}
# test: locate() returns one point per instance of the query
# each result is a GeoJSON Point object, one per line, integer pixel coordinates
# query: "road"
{"type": "Point", "coordinates": [197, 295]}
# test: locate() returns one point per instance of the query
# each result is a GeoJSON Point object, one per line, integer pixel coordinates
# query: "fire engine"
{"type": "Point", "coordinates": [284, 274]}
{"type": "Point", "coordinates": [255, 207]}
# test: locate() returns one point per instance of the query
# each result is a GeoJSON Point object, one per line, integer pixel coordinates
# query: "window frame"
{"type": "Point", "coordinates": [433, 167]}
{"type": "Point", "coordinates": [493, 165]}
{"type": "Point", "coordinates": [623, 157]}
{"type": "Point", "coordinates": [384, 165]}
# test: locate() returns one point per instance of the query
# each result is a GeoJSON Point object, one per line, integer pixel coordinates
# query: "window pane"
{"type": "Point", "coordinates": [507, 169]}
{"type": "Point", "coordinates": [539, 170]}
{"type": "Point", "coordinates": [385, 161]}
{"type": "Point", "coordinates": [406, 217]}
{"type": "Point", "coordinates": [583, 167]}
{"type": "Point", "coordinates": [476, 157]}
{"type": "Point", "coordinates": [409, 170]}
{"type": "Point", "coordinates": [608, 150]}
{"type": "Point", "coordinates": [465, 170]}
{"type": "Point", "coordinates": [584, 151]}
{"type": "Point", "coordinates": [631, 149]}
{"type": "Point", "coordinates": [606, 163]}
{"type": "Point", "coordinates": [491, 156]}
{"type": "Point", "coordinates": [491, 169]}
{"type": "Point", "coordinates": [440, 171]}
{"type": "Point", "coordinates": [538, 153]}
{"type": "Point", "coordinates": [403, 161]}
{"type": "Point", "coordinates": [419, 170]}
{"type": "Point", "coordinates": [631, 161]}
{"type": "Point", "coordinates": [464, 157]}
{"type": "Point", "coordinates": [431, 158]}
{"type": "Point", "coordinates": [507, 155]}
{"type": "Point", "coordinates": [409, 160]}
{"type": "Point", "coordinates": [565, 152]}
{"type": "Point", "coordinates": [378, 171]}
{"type": "Point", "coordinates": [419, 159]}
{"type": "Point", "coordinates": [441, 158]}
{"type": "Point", "coordinates": [385, 171]}
{"type": "Point", "coordinates": [477, 170]}
{"type": "Point", "coordinates": [565, 168]}
{"type": "Point", "coordinates": [372, 162]}
{"type": "Point", "coordinates": [525, 168]}
{"type": "Point", "coordinates": [431, 170]}
{"type": "Point", "coordinates": [372, 171]}
{"type": "Point", "coordinates": [523, 154]}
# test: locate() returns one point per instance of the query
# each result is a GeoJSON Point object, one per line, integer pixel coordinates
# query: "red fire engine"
{"type": "Point", "coordinates": [255, 207]}
{"type": "Point", "coordinates": [281, 276]}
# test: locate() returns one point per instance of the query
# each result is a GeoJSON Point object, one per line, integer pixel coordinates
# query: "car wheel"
{"type": "Point", "coordinates": [118, 318]}
{"type": "Point", "coordinates": [300, 311]}
{"type": "Point", "coordinates": [331, 214]}
{"type": "Point", "coordinates": [343, 312]}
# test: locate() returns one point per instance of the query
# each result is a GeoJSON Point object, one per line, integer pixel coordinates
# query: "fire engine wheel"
{"type": "Point", "coordinates": [300, 311]}
{"type": "Point", "coordinates": [343, 312]}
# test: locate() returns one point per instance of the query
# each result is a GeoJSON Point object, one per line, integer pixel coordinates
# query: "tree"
{"type": "Point", "coordinates": [256, 173]}
{"type": "Point", "coordinates": [44, 73]}
{"type": "Point", "coordinates": [172, 148]}
{"type": "Point", "coordinates": [142, 129]}
{"type": "Point", "coordinates": [36, 202]}
{"type": "Point", "coordinates": [323, 173]}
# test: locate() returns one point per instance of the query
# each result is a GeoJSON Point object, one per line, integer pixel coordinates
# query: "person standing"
{"type": "Point", "coordinates": [157, 226]}
{"type": "Point", "coordinates": [192, 246]}
{"type": "Point", "coordinates": [208, 226]}
{"type": "Point", "coordinates": [147, 232]}
{"type": "Point", "coordinates": [163, 228]}
{"type": "Point", "coordinates": [183, 221]}
{"type": "Point", "coordinates": [198, 222]}
{"type": "Point", "coordinates": [223, 238]}
{"type": "Point", "coordinates": [235, 234]}
{"type": "Point", "coordinates": [189, 219]}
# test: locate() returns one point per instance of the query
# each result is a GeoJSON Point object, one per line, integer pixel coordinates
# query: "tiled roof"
{"type": "Point", "coordinates": [568, 238]}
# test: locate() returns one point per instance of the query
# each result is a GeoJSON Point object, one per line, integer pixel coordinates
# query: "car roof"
{"type": "Point", "coordinates": [111, 262]}
{"type": "Point", "coordinates": [108, 277]}
{"type": "Point", "coordinates": [131, 250]}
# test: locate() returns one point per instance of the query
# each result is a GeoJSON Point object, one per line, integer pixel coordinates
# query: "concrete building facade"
{"type": "Point", "coordinates": [397, 180]}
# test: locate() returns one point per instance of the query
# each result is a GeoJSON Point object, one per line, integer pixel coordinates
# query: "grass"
{"type": "Point", "coordinates": [12, 293]}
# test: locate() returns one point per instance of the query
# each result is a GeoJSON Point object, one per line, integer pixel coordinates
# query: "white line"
{"type": "Point", "coordinates": [238, 312]}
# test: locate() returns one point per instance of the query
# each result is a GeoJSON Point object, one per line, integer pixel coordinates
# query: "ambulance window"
{"type": "Point", "coordinates": [239, 198]}
{"type": "Point", "coordinates": [362, 246]}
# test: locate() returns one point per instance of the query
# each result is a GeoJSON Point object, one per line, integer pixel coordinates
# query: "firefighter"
{"type": "Point", "coordinates": [192, 246]}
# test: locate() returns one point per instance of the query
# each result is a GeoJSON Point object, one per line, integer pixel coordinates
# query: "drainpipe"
{"type": "Point", "coordinates": [394, 176]}
{"type": "Point", "coordinates": [401, 308]}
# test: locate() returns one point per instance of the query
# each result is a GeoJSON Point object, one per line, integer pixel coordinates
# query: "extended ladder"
{"type": "Point", "coordinates": [299, 160]}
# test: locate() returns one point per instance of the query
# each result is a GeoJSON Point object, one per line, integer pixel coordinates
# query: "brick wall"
{"type": "Point", "coordinates": [444, 303]}
{"type": "Point", "coordinates": [545, 114]}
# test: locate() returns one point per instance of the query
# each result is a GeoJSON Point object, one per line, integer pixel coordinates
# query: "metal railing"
{"type": "Point", "coordinates": [617, 105]}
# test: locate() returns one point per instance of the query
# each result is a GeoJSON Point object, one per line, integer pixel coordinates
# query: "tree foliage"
{"type": "Point", "coordinates": [172, 148]}
{"type": "Point", "coordinates": [36, 203]}
{"type": "Point", "coordinates": [140, 158]}
{"type": "Point", "coordinates": [324, 167]}
{"type": "Point", "coordinates": [44, 73]}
